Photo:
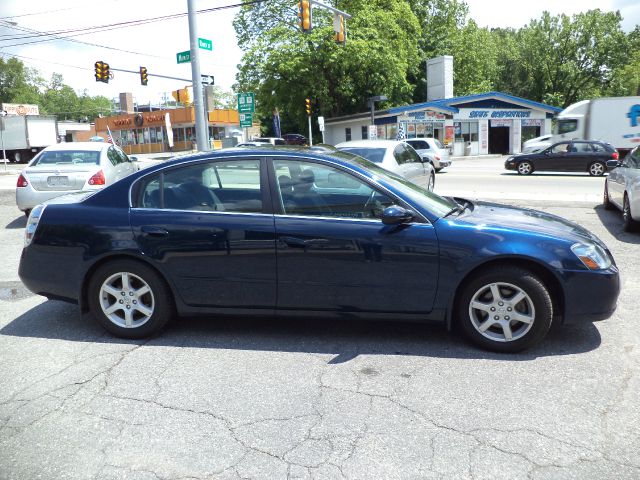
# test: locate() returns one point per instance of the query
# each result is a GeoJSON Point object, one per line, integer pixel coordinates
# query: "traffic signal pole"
{"type": "Point", "coordinates": [202, 130]}
{"type": "Point", "coordinates": [310, 132]}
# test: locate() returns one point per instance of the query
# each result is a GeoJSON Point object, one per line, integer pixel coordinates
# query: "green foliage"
{"type": "Point", "coordinates": [283, 66]}
{"type": "Point", "coordinates": [19, 84]}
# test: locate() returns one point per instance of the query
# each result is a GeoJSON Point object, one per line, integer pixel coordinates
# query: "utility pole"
{"type": "Point", "coordinates": [202, 130]}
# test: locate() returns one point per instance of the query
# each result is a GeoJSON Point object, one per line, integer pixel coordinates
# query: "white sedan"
{"type": "Point", "coordinates": [395, 156]}
{"type": "Point", "coordinates": [622, 188]}
{"type": "Point", "coordinates": [70, 167]}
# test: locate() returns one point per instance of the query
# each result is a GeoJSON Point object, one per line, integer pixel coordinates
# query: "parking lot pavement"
{"type": "Point", "coordinates": [220, 398]}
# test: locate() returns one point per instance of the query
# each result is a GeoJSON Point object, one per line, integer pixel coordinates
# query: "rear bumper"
{"type": "Point", "coordinates": [591, 296]}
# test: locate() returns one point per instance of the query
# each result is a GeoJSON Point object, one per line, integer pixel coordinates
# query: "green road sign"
{"type": "Point", "coordinates": [184, 57]}
{"type": "Point", "coordinates": [246, 120]}
{"type": "Point", "coordinates": [205, 44]}
{"type": "Point", "coordinates": [246, 103]}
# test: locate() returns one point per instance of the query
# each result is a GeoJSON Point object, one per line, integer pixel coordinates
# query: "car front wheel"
{"type": "Point", "coordinates": [525, 168]}
{"type": "Point", "coordinates": [129, 299]}
{"type": "Point", "coordinates": [597, 169]}
{"type": "Point", "coordinates": [505, 309]}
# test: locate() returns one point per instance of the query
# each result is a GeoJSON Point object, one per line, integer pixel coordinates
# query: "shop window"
{"type": "Point", "coordinates": [152, 135]}
{"type": "Point", "coordinates": [365, 132]}
{"type": "Point", "coordinates": [466, 131]}
{"type": "Point", "coordinates": [347, 134]}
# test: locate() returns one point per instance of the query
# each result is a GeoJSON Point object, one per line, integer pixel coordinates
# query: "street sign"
{"type": "Point", "coordinates": [246, 103]}
{"type": "Point", "coordinates": [207, 79]}
{"type": "Point", "coordinates": [373, 132]}
{"type": "Point", "coordinates": [321, 123]}
{"type": "Point", "coordinates": [205, 44]}
{"type": "Point", "coordinates": [246, 120]}
{"type": "Point", "coordinates": [184, 57]}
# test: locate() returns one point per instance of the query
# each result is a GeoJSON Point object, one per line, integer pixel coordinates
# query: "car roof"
{"type": "Point", "coordinates": [95, 146]}
{"type": "Point", "coordinates": [370, 143]}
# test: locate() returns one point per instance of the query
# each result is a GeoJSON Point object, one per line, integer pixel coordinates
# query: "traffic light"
{"type": "Point", "coordinates": [143, 76]}
{"type": "Point", "coordinates": [338, 28]}
{"type": "Point", "coordinates": [307, 105]}
{"type": "Point", "coordinates": [102, 71]}
{"type": "Point", "coordinates": [304, 14]}
{"type": "Point", "coordinates": [182, 95]}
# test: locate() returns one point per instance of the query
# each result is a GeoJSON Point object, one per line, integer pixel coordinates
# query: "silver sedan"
{"type": "Point", "coordinates": [70, 167]}
{"type": "Point", "coordinates": [396, 156]}
{"type": "Point", "coordinates": [622, 188]}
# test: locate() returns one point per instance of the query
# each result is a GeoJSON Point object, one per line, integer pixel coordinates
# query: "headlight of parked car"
{"type": "Point", "coordinates": [592, 256]}
{"type": "Point", "coordinates": [32, 224]}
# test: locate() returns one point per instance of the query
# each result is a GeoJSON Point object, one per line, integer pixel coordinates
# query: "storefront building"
{"type": "Point", "coordinates": [482, 124]}
{"type": "Point", "coordinates": [170, 130]}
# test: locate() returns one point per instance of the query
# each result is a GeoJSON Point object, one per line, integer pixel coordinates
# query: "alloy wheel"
{"type": "Point", "coordinates": [502, 312]}
{"type": "Point", "coordinates": [596, 169]}
{"type": "Point", "coordinates": [126, 300]}
{"type": "Point", "coordinates": [524, 168]}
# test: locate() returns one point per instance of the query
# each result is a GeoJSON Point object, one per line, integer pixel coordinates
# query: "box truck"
{"type": "Point", "coordinates": [24, 136]}
{"type": "Point", "coordinates": [615, 120]}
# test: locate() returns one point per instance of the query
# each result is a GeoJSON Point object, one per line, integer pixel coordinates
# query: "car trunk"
{"type": "Point", "coordinates": [68, 178]}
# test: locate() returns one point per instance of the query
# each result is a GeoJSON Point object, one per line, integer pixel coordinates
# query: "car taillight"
{"type": "Point", "coordinates": [615, 155]}
{"type": "Point", "coordinates": [32, 224]}
{"type": "Point", "coordinates": [437, 157]}
{"type": "Point", "coordinates": [97, 178]}
{"type": "Point", "coordinates": [22, 182]}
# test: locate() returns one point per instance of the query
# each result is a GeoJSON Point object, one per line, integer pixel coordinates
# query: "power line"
{"type": "Point", "coordinates": [103, 28]}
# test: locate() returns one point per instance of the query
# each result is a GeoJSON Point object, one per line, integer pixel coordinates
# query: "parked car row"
{"type": "Point", "coordinates": [622, 188]}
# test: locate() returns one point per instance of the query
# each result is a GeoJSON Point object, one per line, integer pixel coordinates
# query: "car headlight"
{"type": "Point", "coordinates": [592, 256]}
{"type": "Point", "coordinates": [32, 224]}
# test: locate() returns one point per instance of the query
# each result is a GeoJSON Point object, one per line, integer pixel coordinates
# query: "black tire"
{"type": "Point", "coordinates": [159, 297]}
{"type": "Point", "coordinates": [27, 212]}
{"type": "Point", "coordinates": [438, 169]}
{"type": "Point", "coordinates": [431, 184]}
{"type": "Point", "coordinates": [525, 168]}
{"type": "Point", "coordinates": [606, 202]}
{"type": "Point", "coordinates": [597, 169]}
{"type": "Point", "coordinates": [536, 305]}
{"type": "Point", "coordinates": [629, 224]}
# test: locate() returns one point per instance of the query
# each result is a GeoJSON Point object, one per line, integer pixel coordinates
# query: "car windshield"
{"type": "Point", "coordinates": [436, 204]}
{"type": "Point", "coordinates": [71, 157]}
{"type": "Point", "coordinates": [375, 155]}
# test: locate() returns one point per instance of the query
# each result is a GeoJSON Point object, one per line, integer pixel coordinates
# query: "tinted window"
{"type": "Point", "coordinates": [375, 155]}
{"type": "Point", "coordinates": [232, 185]}
{"type": "Point", "coordinates": [278, 141]}
{"type": "Point", "coordinates": [567, 126]}
{"type": "Point", "coordinates": [403, 155]}
{"type": "Point", "coordinates": [313, 189]}
{"type": "Point", "coordinates": [581, 148]}
{"type": "Point", "coordinates": [113, 156]}
{"type": "Point", "coordinates": [67, 156]}
{"type": "Point", "coordinates": [412, 154]}
{"type": "Point", "coordinates": [419, 145]}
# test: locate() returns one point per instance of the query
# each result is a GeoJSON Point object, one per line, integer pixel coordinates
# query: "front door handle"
{"type": "Point", "coordinates": [154, 231]}
{"type": "Point", "coordinates": [297, 242]}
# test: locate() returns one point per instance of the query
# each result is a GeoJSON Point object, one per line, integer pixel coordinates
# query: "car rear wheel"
{"type": "Point", "coordinates": [129, 299]}
{"type": "Point", "coordinates": [505, 309]}
{"type": "Point", "coordinates": [525, 168]}
{"type": "Point", "coordinates": [606, 202]}
{"type": "Point", "coordinates": [630, 225]}
{"type": "Point", "coordinates": [597, 169]}
{"type": "Point", "coordinates": [432, 182]}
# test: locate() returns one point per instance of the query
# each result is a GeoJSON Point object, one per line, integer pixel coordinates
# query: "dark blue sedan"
{"type": "Point", "coordinates": [282, 232]}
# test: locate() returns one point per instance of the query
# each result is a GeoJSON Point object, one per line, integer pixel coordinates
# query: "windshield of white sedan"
{"type": "Point", "coordinates": [69, 157]}
{"type": "Point", "coordinates": [436, 204]}
{"type": "Point", "coordinates": [375, 155]}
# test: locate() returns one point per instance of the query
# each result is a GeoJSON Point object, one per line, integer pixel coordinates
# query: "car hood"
{"type": "Point", "coordinates": [492, 215]}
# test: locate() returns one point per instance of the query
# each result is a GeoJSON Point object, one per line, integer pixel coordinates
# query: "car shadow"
{"type": "Point", "coordinates": [343, 340]}
{"type": "Point", "coordinates": [19, 222]}
{"type": "Point", "coordinates": [612, 221]}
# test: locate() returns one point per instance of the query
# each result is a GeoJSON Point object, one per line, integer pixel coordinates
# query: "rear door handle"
{"type": "Point", "coordinates": [154, 231]}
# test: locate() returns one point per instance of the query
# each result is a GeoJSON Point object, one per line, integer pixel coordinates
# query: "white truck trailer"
{"type": "Point", "coordinates": [615, 120]}
{"type": "Point", "coordinates": [24, 136]}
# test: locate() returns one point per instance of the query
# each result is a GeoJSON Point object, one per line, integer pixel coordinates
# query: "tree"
{"type": "Point", "coordinates": [17, 83]}
{"type": "Point", "coordinates": [568, 59]}
{"type": "Point", "coordinates": [284, 66]}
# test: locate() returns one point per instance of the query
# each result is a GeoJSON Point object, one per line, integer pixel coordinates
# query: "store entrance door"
{"type": "Point", "coordinates": [499, 140]}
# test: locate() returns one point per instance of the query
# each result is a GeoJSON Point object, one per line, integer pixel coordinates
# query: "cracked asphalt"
{"type": "Point", "coordinates": [229, 398]}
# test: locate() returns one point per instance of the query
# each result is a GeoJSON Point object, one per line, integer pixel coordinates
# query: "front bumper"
{"type": "Point", "coordinates": [510, 165]}
{"type": "Point", "coordinates": [590, 295]}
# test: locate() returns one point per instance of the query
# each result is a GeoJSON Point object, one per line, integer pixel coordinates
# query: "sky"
{"type": "Point", "coordinates": [155, 45]}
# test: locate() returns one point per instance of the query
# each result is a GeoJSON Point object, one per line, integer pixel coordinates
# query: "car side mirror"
{"type": "Point", "coordinates": [613, 163]}
{"type": "Point", "coordinates": [396, 215]}
{"type": "Point", "coordinates": [133, 158]}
